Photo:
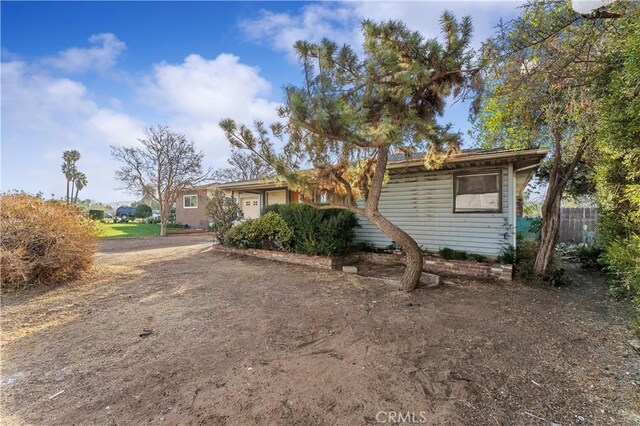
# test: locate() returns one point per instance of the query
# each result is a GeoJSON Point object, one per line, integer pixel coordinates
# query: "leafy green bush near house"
{"type": "Point", "coordinates": [317, 232]}
{"type": "Point", "coordinates": [269, 231]}
{"type": "Point", "coordinates": [524, 258]}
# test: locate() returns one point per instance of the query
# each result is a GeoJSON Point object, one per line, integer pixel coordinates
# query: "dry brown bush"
{"type": "Point", "coordinates": [42, 242]}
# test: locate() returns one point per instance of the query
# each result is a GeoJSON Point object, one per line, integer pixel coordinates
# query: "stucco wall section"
{"type": "Point", "coordinates": [194, 217]}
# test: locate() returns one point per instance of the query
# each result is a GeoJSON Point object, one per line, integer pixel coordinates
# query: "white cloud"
{"type": "Point", "coordinates": [199, 92]}
{"type": "Point", "coordinates": [341, 22]}
{"type": "Point", "coordinates": [101, 56]}
{"type": "Point", "coordinates": [43, 116]}
{"type": "Point", "coordinates": [282, 30]}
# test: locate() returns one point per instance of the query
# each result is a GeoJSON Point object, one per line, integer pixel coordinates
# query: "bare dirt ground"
{"type": "Point", "coordinates": [167, 331]}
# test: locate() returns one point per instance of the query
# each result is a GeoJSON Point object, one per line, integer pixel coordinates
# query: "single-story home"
{"type": "Point", "coordinates": [469, 203]}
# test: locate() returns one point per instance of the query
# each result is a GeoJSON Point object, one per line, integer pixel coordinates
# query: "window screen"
{"type": "Point", "coordinates": [477, 193]}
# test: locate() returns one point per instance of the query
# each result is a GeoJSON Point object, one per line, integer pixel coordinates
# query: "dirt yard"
{"type": "Point", "coordinates": [167, 331]}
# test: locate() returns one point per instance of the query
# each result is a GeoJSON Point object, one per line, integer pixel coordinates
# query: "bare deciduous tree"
{"type": "Point", "coordinates": [165, 165]}
{"type": "Point", "coordinates": [243, 167]}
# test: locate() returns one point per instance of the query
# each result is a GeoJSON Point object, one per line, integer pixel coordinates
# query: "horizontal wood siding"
{"type": "Point", "coordinates": [422, 205]}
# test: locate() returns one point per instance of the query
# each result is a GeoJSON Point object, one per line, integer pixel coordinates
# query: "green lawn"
{"type": "Point", "coordinates": [131, 229]}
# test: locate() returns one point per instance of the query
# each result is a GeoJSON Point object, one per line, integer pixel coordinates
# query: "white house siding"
{"type": "Point", "coordinates": [422, 205]}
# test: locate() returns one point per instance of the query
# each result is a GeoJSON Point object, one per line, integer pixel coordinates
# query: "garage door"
{"type": "Point", "coordinates": [250, 207]}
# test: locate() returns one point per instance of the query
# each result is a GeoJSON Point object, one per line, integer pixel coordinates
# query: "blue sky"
{"type": "Point", "coordinates": [82, 76]}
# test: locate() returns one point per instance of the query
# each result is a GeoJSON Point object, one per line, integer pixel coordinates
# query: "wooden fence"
{"type": "Point", "coordinates": [572, 224]}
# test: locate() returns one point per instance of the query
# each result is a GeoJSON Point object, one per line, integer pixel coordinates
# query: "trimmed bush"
{"type": "Point", "coordinates": [96, 214]}
{"type": "Point", "coordinates": [318, 232]}
{"type": "Point", "coordinates": [269, 231]}
{"type": "Point", "coordinates": [272, 232]}
{"type": "Point", "coordinates": [43, 242]}
{"type": "Point", "coordinates": [241, 235]}
{"type": "Point", "coordinates": [143, 211]}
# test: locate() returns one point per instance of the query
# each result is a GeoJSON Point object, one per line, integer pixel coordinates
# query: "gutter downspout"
{"type": "Point", "coordinates": [511, 204]}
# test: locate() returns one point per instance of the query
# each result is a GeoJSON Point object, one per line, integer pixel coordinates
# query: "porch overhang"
{"type": "Point", "coordinates": [521, 160]}
{"type": "Point", "coordinates": [254, 185]}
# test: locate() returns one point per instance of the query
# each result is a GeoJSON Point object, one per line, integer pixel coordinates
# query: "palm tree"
{"type": "Point", "coordinates": [80, 182]}
{"type": "Point", "coordinates": [69, 169]}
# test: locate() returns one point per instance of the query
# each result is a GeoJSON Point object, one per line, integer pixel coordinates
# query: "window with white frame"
{"type": "Point", "coordinates": [190, 201]}
{"type": "Point", "coordinates": [477, 193]}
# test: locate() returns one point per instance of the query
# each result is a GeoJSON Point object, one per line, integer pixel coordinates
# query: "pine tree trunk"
{"type": "Point", "coordinates": [414, 258]}
{"type": "Point", "coordinates": [548, 232]}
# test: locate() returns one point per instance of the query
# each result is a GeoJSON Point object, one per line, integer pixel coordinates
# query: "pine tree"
{"type": "Point", "coordinates": [341, 124]}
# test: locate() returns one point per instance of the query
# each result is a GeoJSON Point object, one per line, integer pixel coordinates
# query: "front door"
{"type": "Point", "coordinates": [250, 207]}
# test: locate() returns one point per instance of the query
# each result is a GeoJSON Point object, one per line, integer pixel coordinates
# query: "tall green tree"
{"type": "Point", "coordinates": [80, 182]}
{"type": "Point", "coordinates": [69, 169]}
{"type": "Point", "coordinates": [352, 111]}
{"type": "Point", "coordinates": [617, 172]}
{"type": "Point", "coordinates": [538, 93]}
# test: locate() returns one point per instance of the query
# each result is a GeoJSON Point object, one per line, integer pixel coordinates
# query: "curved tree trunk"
{"type": "Point", "coordinates": [413, 269]}
{"type": "Point", "coordinates": [548, 233]}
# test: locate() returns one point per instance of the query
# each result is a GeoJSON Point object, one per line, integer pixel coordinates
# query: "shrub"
{"type": "Point", "coordinates": [96, 214]}
{"type": "Point", "coordinates": [240, 235]}
{"type": "Point", "coordinates": [588, 255]}
{"type": "Point", "coordinates": [479, 258]}
{"type": "Point", "coordinates": [269, 231]}
{"type": "Point", "coordinates": [272, 232]}
{"type": "Point", "coordinates": [223, 212]}
{"type": "Point", "coordinates": [622, 261]}
{"type": "Point", "coordinates": [43, 242]}
{"type": "Point", "coordinates": [524, 258]}
{"type": "Point", "coordinates": [143, 211]}
{"type": "Point", "coordinates": [152, 220]}
{"type": "Point", "coordinates": [449, 254]}
{"type": "Point", "coordinates": [317, 232]}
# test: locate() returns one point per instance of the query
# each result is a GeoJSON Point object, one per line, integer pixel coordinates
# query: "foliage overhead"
{"type": "Point", "coordinates": [350, 107]}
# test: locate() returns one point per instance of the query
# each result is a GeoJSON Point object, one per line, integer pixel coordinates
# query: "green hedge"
{"type": "Point", "coordinates": [317, 232]}
{"type": "Point", "coordinates": [96, 214]}
{"type": "Point", "coordinates": [269, 232]}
